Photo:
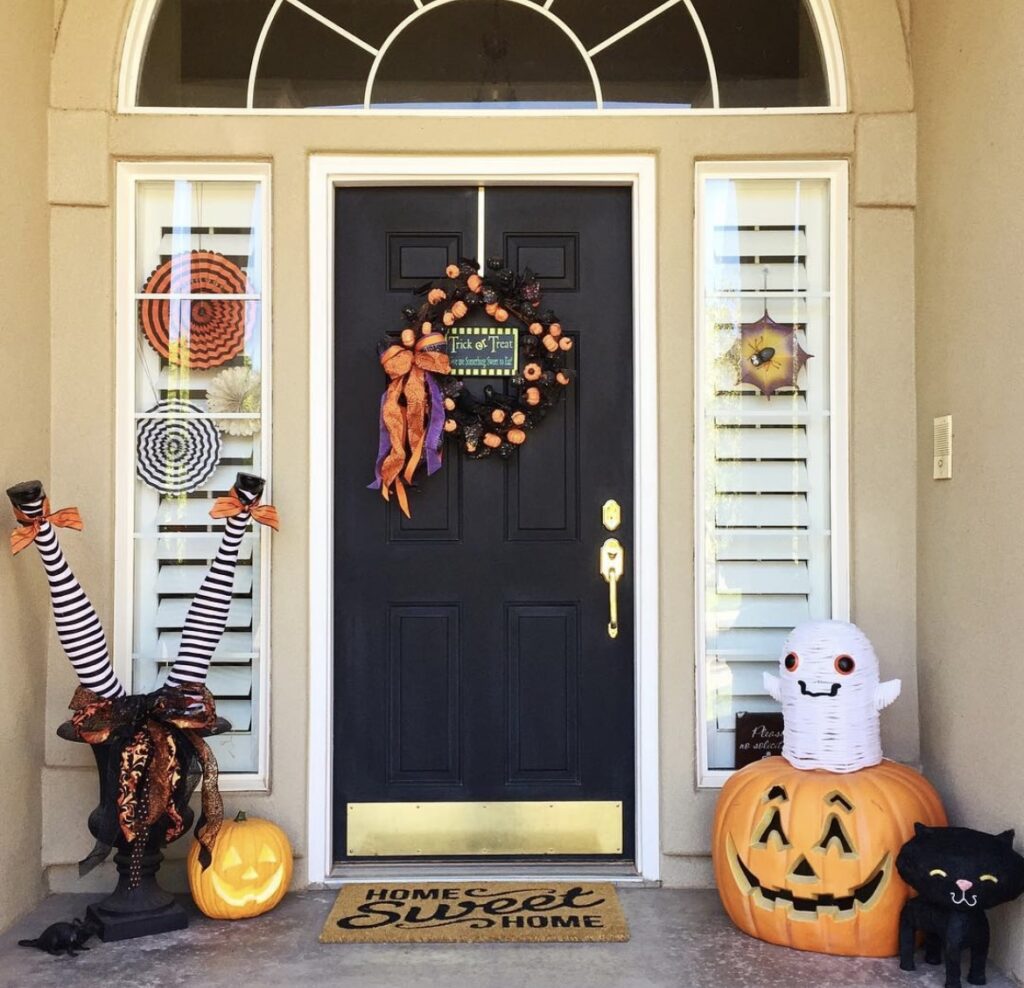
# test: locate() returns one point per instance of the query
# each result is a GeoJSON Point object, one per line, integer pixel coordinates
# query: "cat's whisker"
{"type": "Point", "coordinates": [962, 901]}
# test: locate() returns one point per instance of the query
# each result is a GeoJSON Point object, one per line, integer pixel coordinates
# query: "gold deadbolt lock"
{"type": "Point", "coordinates": [613, 562]}
{"type": "Point", "coordinates": [611, 515]}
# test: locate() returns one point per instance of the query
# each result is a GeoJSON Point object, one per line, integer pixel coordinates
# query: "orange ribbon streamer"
{"type": "Point", "coordinates": [232, 506]}
{"type": "Point", "coordinates": [407, 422]}
{"type": "Point", "coordinates": [23, 537]}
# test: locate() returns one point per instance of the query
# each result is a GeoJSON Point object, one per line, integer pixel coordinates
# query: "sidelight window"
{"type": "Point", "coordinates": [283, 55]}
{"type": "Point", "coordinates": [193, 404]}
{"type": "Point", "coordinates": [771, 434]}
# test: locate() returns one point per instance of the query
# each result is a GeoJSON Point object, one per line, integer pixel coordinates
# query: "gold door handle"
{"type": "Point", "coordinates": [613, 558]}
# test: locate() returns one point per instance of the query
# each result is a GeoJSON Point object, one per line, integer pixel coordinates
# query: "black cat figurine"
{"type": "Point", "coordinates": [957, 874]}
{"type": "Point", "coordinates": [63, 938]}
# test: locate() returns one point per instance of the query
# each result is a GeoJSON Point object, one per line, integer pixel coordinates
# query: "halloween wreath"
{"type": "Point", "coordinates": [427, 399]}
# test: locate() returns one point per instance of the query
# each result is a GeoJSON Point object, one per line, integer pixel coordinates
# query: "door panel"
{"type": "Point", "coordinates": [423, 689]}
{"type": "Point", "coordinates": [472, 658]}
{"type": "Point", "coordinates": [544, 693]}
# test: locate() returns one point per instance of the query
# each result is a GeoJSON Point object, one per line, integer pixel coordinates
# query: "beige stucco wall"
{"type": "Point", "coordinates": [878, 139]}
{"type": "Point", "coordinates": [25, 447]}
{"type": "Point", "coordinates": [969, 72]}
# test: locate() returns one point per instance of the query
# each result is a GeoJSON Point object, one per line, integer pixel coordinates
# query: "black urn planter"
{"type": "Point", "coordinates": [138, 906]}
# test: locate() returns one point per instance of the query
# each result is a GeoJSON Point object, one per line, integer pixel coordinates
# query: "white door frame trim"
{"type": "Point", "coordinates": [326, 173]}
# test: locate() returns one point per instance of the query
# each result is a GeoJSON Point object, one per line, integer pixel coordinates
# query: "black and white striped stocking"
{"type": "Point", "coordinates": [208, 614]}
{"type": "Point", "coordinates": [78, 624]}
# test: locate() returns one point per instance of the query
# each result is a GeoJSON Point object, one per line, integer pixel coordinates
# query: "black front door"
{"type": "Point", "coordinates": [473, 663]}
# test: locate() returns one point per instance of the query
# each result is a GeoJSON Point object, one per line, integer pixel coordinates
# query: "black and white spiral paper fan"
{"type": "Point", "coordinates": [178, 452]}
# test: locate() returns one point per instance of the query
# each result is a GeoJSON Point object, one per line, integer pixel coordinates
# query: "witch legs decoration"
{"type": "Point", "coordinates": [78, 625]}
{"type": "Point", "coordinates": [150, 749]}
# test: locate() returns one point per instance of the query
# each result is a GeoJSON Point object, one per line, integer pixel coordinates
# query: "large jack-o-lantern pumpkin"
{"type": "Point", "coordinates": [250, 871]}
{"type": "Point", "coordinates": [806, 859]}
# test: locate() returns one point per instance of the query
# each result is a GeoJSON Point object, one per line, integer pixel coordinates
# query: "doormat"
{"type": "Point", "coordinates": [476, 912]}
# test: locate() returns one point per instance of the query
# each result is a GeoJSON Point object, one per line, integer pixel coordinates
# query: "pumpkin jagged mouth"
{"type": "Point", "coordinates": [841, 907]}
{"type": "Point", "coordinates": [246, 896]}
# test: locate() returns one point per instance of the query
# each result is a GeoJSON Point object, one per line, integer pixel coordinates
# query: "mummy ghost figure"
{"type": "Point", "coordinates": [831, 695]}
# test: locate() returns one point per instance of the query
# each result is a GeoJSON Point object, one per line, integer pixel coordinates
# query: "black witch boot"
{"type": "Point", "coordinates": [27, 497]}
{"type": "Point", "coordinates": [249, 487]}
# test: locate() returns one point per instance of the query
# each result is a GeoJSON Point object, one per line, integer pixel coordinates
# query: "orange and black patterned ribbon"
{"type": "Point", "coordinates": [28, 532]}
{"type": "Point", "coordinates": [152, 762]}
{"type": "Point", "coordinates": [407, 411]}
{"type": "Point", "coordinates": [231, 506]}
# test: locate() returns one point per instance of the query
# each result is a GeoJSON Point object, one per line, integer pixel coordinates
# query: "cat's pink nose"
{"type": "Point", "coordinates": [964, 885]}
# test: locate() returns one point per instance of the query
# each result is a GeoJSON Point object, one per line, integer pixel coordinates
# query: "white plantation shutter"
{"type": "Point", "coordinates": [765, 492]}
{"type": "Point", "coordinates": [174, 536]}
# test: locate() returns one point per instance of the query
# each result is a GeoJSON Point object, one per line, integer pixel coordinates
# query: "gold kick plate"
{"type": "Point", "coordinates": [613, 564]}
{"type": "Point", "coordinates": [496, 828]}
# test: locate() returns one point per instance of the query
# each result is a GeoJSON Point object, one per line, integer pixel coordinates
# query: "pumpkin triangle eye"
{"type": "Point", "coordinates": [232, 858]}
{"type": "Point", "coordinates": [267, 855]}
{"type": "Point", "coordinates": [834, 832]}
{"type": "Point", "coordinates": [774, 826]}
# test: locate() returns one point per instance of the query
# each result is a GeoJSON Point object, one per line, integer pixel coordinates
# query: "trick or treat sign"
{"type": "Point", "coordinates": [475, 912]}
{"type": "Point", "coordinates": [484, 351]}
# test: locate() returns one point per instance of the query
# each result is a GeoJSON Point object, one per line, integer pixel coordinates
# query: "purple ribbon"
{"type": "Point", "coordinates": [435, 427]}
{"type": "Point", "coordinates": [382, 448]}
{"type": "Point", "coordinates": [435, 434]}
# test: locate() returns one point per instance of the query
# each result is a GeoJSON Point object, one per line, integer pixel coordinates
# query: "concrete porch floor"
{"type": "Point", "coordinates": [679, 938]}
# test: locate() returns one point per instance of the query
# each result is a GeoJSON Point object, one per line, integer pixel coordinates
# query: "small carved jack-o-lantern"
{"type": "Point", "coordinates": [807, 859]}
{"type": "Point", "coordinates": [250, 871]}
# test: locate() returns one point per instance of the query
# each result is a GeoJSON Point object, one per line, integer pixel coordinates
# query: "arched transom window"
{"type": "Point", "coordinates": [483, 55]}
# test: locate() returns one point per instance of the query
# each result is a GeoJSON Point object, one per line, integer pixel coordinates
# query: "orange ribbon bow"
{"type": "Point", "coordinates": [408, 370]}
{"type": "Point", "coordinates": [23, 537]}
{"type": "Point", "coordinates": [152, 765]}
{"type": "Point", "coordinates": [232, 506]}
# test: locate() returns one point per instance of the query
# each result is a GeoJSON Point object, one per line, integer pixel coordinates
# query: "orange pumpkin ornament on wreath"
{"type": "Point", "coordinates": [250, 872]}
{"type": "Point", "coordinates": [806, 859]}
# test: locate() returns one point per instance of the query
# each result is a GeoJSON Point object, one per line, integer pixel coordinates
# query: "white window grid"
{"type": "Point", "coordinates": [835, 302]}
{"type": "Point", "coordinates": [820, 12]}
{"type": "Point", "coordinates": [130, 277]}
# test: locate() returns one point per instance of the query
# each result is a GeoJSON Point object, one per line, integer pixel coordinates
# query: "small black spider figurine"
{"type": "Point", "coordinates": [63, 938]}
{"type": "Point", "coordinates": [957, 874]}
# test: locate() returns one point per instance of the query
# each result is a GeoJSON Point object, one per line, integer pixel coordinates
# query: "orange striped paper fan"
{"type": "Point", "coordinates": [199, 333]}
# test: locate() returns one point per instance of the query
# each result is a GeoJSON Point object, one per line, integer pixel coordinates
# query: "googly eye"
{"type": "Point", "coordinates": [845, 665]}
{"type": "Point", "coordinates": [791, 662]}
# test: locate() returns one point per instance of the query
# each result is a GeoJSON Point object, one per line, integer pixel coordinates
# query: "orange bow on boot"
{"type": "Point", "coordinates": [232, 506]}
{"type": "Point", "coordinates": [23, 537]}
